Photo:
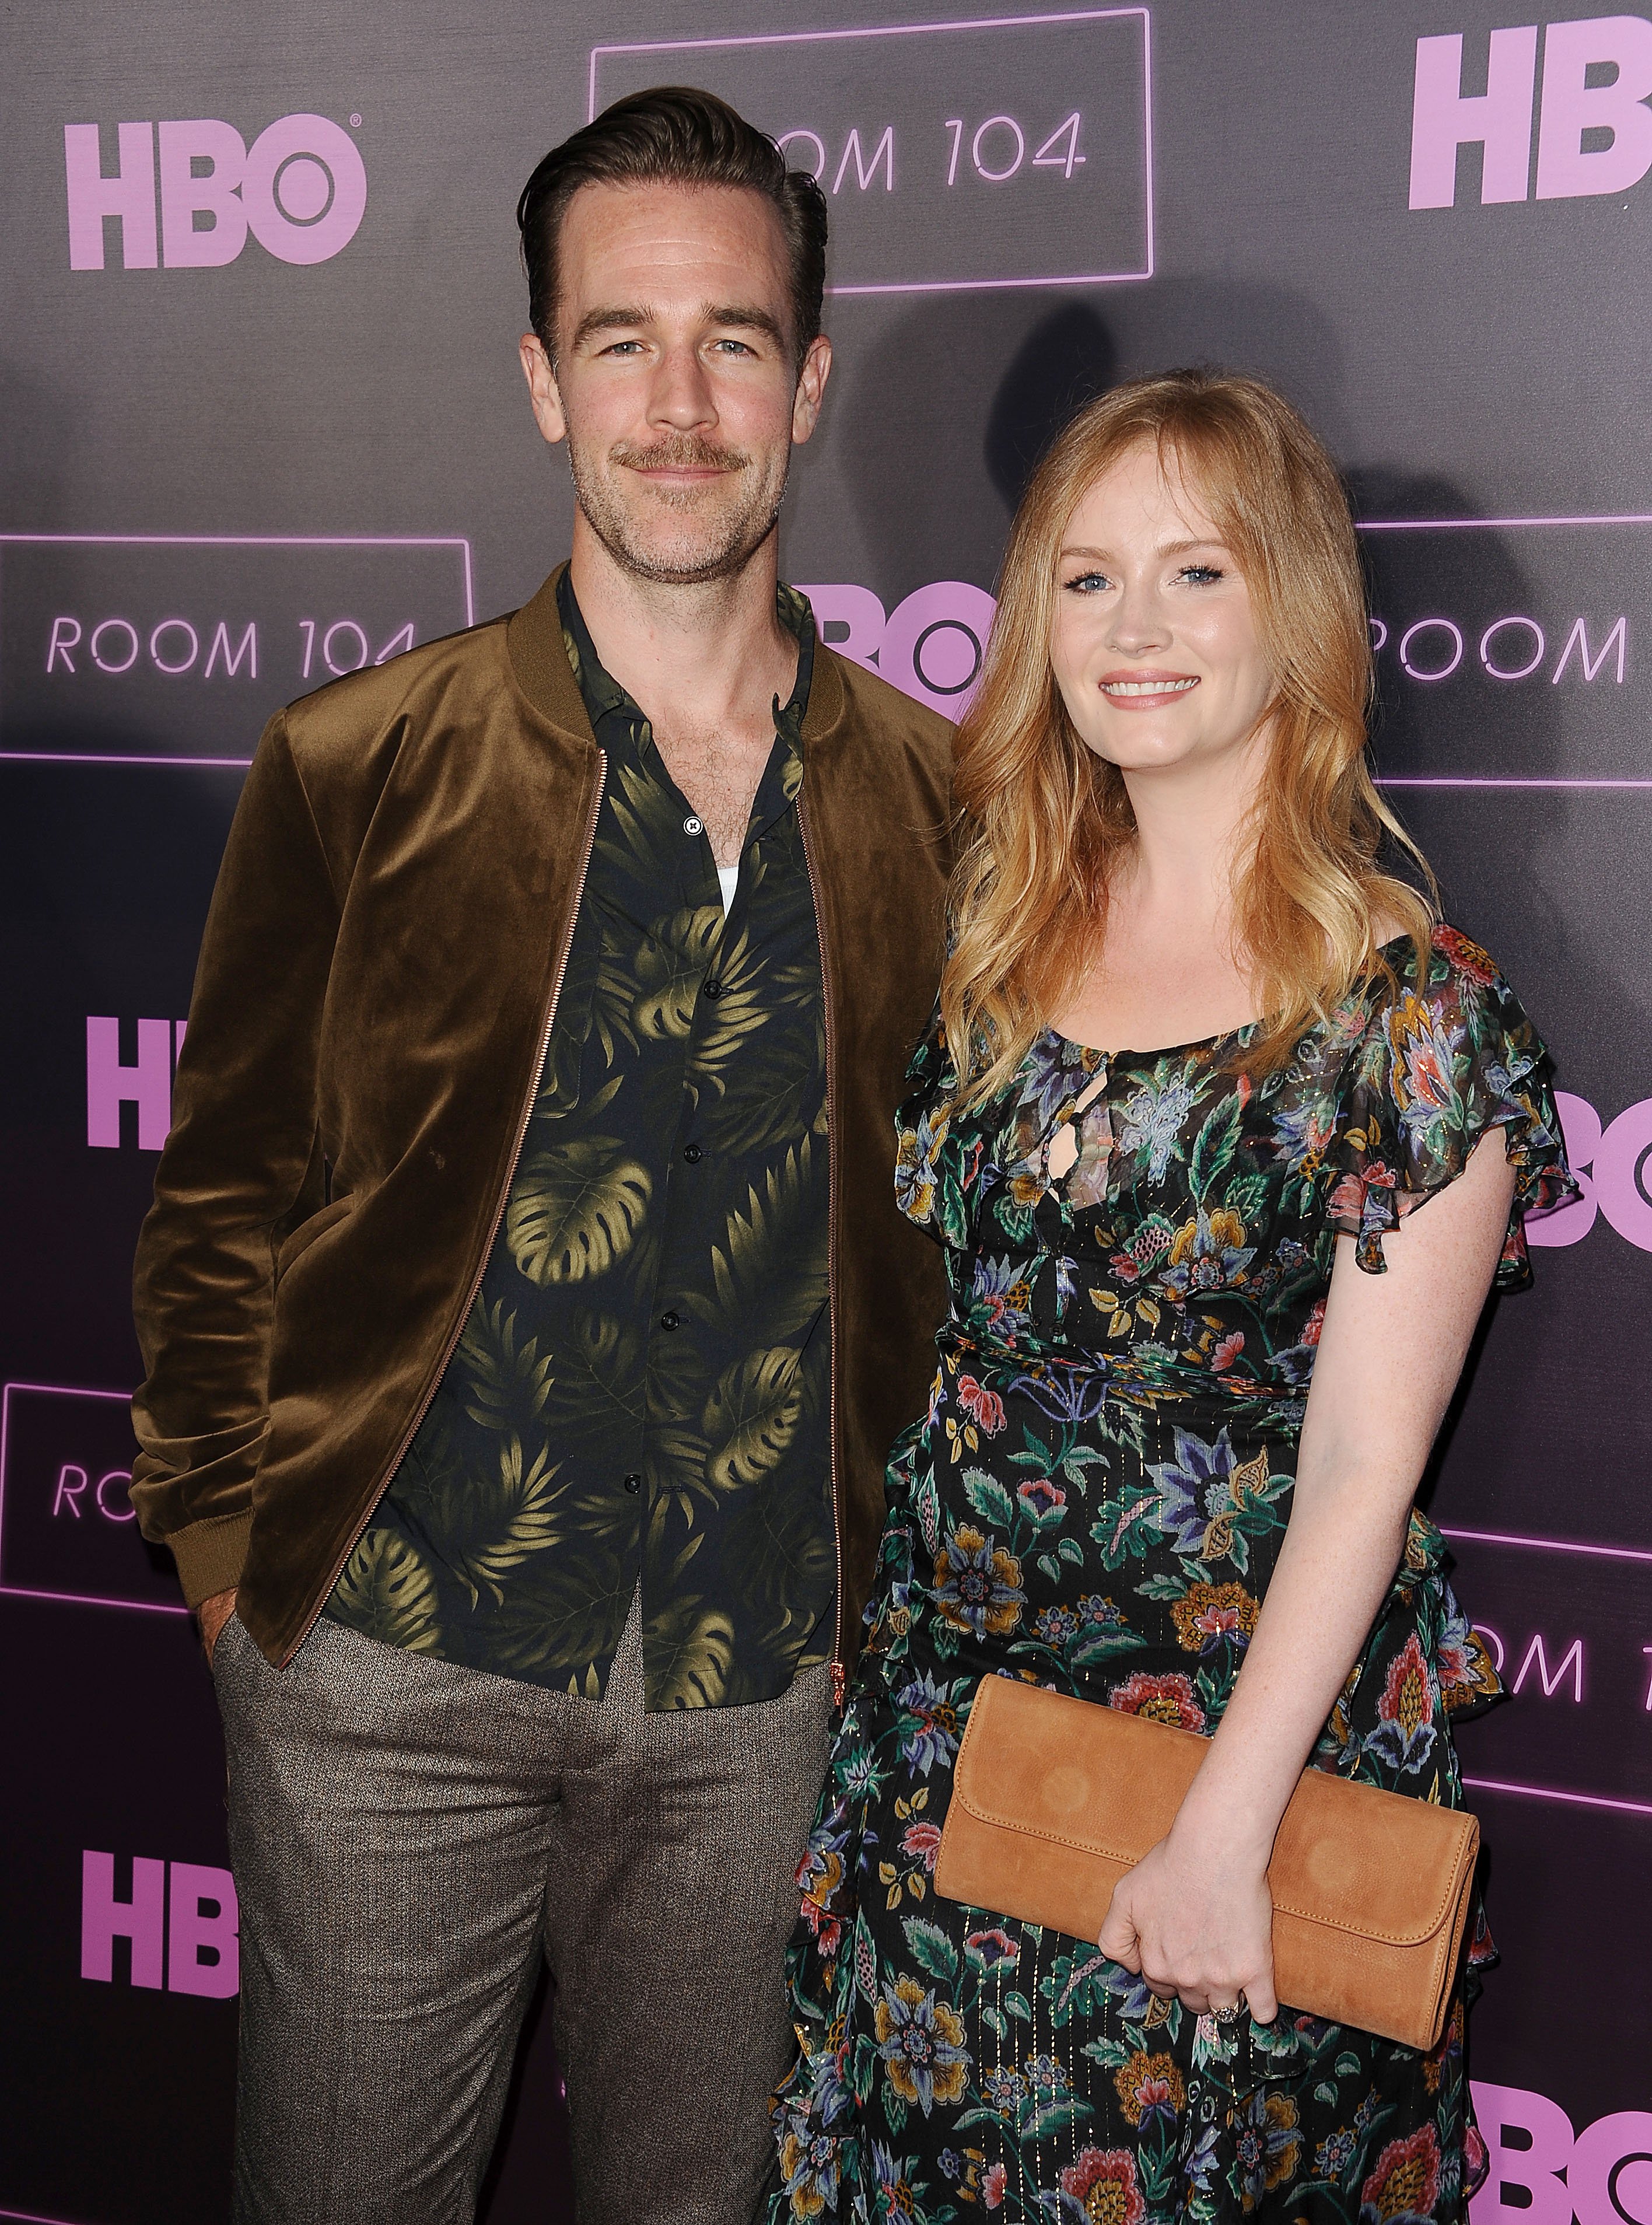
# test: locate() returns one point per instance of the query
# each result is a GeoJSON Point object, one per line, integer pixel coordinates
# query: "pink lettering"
{"type": "Point", "coordinates": [68, 1494]}
{"type": "Point", "coordinates": [247, 647]}
{"type": "Point", "coordinates": [1500, 119]}
{"type": "Point", "coordinates": [205, 1956]}
{"type": "Point", "coordinates": [1535, 1655]}
{"type": "Point", "coordinates": [103, 1919]}
{"type": "Point", "coordinates": [1535, 2168]}
{"type": "Point", "coordinates": [851, 620]}
{"type": "Point", "coordinates": [341, 626]}
{"type": "Point", "coordinates": [63, 640]}
{"type": "Point", "coordinates": [1610, 2173]}
{"type": "Point", "coordinates": [866, 171]}
{"type": "Point", "coordinates": [127, 658]}
{"type": "Point", "coordinates": [121, 1475]}
{"type": "Point", "coordinates": [1580, 1127]}
{"type": "Point", "coordinates": [933, 644]}
{"type": "Point", "coordinates": [182, 662]}
{"type": "Point", "coordinates": [305, 188]}
{"type": "Point", "coordinates": [1453, 655]}
{"type": "Point", "coordinates": [1571, 107]}
{"type": "Point", "coordinates": [814, 140]}
{"type": "Point", "coordinates": [1513, 671]}
{"type": "Point", "coordinates": [184, 193]}
{"type": "Point", "coordinates": [1578, 636]}
{"type": "Point", "coordinates": [1619, 1158]}
{"type": "Point", "coordinates": [129, 195]}
{"type": "Point", "coordinates": [109, 1085]}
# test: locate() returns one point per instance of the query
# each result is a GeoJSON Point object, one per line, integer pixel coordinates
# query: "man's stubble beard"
{"type": "Point", "coordinates": [738, 534]}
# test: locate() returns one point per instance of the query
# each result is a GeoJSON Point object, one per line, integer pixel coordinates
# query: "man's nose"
{"type": "Point", "coordinates": [681, 393]}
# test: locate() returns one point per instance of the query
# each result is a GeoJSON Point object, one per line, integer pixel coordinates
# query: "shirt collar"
{"type": "Point", "coordinates": [609, 704]}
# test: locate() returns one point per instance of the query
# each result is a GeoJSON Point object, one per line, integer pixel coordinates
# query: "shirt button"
{"type": "Point", "coordinates": [713, 988]}
{"type": "Point", "coordinates": [692, 1153]}
{"type": "Point", "coordinates": [633, 1485]}
{"type": "Point", "coordinates": [693, 825]}
{"type": "Point", "coordinates": [672, 1319]}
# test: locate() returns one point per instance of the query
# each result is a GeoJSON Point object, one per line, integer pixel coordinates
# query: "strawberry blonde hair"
{"type": "Point", "coordinates": [1044, 819]}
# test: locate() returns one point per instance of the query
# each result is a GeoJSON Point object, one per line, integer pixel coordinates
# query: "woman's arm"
{"type": "Point", "coordinates": [1194, 1917]}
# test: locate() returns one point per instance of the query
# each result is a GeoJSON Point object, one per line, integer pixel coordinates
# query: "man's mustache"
{"type": "Point", "coordinates": [685, 451]}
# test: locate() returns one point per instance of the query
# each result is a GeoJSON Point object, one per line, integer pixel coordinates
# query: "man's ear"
{"type": "Point", "coordinates": [813, 374]}
{"type": "Point", "coordinates": [548, 413]}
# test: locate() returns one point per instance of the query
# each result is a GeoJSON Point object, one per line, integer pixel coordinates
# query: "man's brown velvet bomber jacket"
{"type": "Point", "coordinates": [373, 997]}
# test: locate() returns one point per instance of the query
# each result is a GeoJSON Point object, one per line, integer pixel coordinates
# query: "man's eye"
{"type": "Point", "coordinates": [622, 347]}
{"type": "Point", "coordinates": [734, 347]}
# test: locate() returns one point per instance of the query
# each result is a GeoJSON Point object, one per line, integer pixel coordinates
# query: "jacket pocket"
{"type": "Point", "coordinates": [306, 1234]}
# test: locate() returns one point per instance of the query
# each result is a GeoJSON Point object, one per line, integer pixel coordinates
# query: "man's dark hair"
{"type": "Point", "coordinates": [673, 135]}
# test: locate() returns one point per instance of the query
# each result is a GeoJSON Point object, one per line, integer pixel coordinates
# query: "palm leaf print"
{"type": "Point", "coordinates": [511, 1516]}
{"type": "Point", "coordinates": [598, 1380]}
{"type": "Point", "coordinates": [575, 1211]}
{"type": "Point", "coordinates": [780, 1221]}
{"type": "Point", "coordinates": [752, 1415]}
{"type": "Point", "coordinates": [504, 1378]}
{"type": "Point", "coordinates": [693, 1646]}
{"type": "Point", "coordinates": [665, 974]}
{"type": "Point", "coordinates": [387, 1592]}
{"type": "Point", "coordinates": [743, 1011]}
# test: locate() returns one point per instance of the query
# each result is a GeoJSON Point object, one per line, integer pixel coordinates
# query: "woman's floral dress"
{"type": "Point", "coordinates": [1096, 1500]}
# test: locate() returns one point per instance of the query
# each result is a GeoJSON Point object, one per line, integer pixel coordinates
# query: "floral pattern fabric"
{"type": "Point", "coordinates": [1096, 1500]}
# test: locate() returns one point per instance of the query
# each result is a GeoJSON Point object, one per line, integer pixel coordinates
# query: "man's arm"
{"type": "Point", "coordinates": [241, 1168]}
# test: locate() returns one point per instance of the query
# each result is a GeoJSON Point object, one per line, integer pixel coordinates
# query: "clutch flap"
{"type": "Point", "coordinates": [1042, 1764]}
{"type": "Point", "coordinates": [1374, 1865]}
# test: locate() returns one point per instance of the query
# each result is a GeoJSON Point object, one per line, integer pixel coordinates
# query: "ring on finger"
{"type": "Point", "coordinates": [1229, 2013]}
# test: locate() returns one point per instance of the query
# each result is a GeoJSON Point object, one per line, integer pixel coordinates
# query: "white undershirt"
{"type": "Point", "coordinates": [728, 876]}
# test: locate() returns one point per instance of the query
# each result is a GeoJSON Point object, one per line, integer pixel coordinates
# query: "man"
{"type": "Point", "coordinates": [526, 1310]}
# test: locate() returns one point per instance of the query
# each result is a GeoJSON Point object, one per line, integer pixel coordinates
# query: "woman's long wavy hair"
{"type": "Point", "coordinates": [1044, 819]}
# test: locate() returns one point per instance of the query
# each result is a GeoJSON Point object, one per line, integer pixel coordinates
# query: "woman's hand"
{"type": "Point", "coordinates": [1196, 1922]}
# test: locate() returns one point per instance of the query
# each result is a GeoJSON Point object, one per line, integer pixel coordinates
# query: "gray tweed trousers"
{"type": "Point", "coordinates": [409, 1836]}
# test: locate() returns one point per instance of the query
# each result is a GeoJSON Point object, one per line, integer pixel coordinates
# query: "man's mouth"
{"type": "Point", "coordinates": [689, 461]}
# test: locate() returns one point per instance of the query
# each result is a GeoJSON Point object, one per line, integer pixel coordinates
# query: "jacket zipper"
{"type": "Point", "coordinates": [499, 1215]}
{"type": "Point", "coordinates": [839, 1673]}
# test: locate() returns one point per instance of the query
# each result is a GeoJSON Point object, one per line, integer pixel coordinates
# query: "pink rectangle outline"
{"type": "Point", "coordinates": [907, 30]}
{"type": "Point", "coordinates": [1554, 1545]}
{"type": "Point", "coordinates": [220, 540]}
{"type": "Point", "coordinates": [84, 757]}
{"type": "Point", "coordinates": [259, 540]}
{"type": "Point", "coordinates": [1484, 524]}
{"type": "Point", "coordinates": [1553, 1793]}
{"type": "Point", "coordinates": [1549, 1544]}
{"type": "Point", "coordinates": [66, 1598]}
{"type": "Point", "coordinates": [29, 2217]}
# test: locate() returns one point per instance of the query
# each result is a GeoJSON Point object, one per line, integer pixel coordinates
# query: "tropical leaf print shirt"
{"type": "Point", "coordinates": [642, 1391]}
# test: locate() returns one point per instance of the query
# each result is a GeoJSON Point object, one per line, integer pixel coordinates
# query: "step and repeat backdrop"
{"type": "Point", "coordinates": [262, 424]}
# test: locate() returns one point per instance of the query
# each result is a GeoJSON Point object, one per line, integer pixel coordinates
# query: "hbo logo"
{"type": "Point", "coordinates": [300, 188]}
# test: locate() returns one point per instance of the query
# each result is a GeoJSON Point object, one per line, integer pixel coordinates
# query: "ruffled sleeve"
{"type": "Point", "coordinates": [1451, 1055]}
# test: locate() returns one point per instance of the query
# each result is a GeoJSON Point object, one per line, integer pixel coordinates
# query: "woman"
{"type": "Point", "coordinates": [1197, 1058]}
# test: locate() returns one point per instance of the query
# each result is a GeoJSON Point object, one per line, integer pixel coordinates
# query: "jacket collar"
{"type": "Point", "coordinates": [534, 639]}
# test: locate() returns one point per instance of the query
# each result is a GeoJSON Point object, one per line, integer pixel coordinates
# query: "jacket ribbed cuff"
{"type": "Point", "coordinates": [210, 1555]}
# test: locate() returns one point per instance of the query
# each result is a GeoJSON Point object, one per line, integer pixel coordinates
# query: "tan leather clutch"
{"type": "Point", "coordinates": [1054, 1800]}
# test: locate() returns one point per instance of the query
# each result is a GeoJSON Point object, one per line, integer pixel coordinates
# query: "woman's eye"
{"type": "Point", "coordinates": [1201, 575]}
{"type": "Point", "coordinates": [1087, 583]}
